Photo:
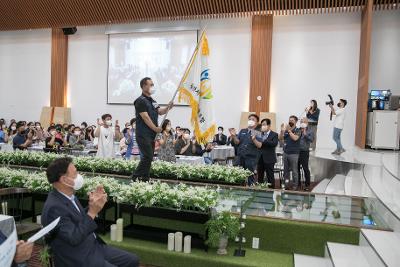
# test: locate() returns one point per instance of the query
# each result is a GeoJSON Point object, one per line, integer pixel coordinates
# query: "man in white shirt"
{"type": "Point", "coordinates": [105, 133]}
{"type": "Point", "coordinates": [338, 124]}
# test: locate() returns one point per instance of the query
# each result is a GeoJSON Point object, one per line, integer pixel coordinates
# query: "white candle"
{"type": "Point", "coordinates": [6, 208]}
{"type": "Point", "coordinates": [242, 225]}
{"type": "Point", "coordinates": [3, 208]}
{"type": "Point", "coordinates": [243, 240]}
{"type": "Point", "coordinates": [171, 241]}
{"type": "Point", "coordinates": [244, 216]}
{"type": "Point", "coordinates": [178, 241]}
{"type": "Point", "coordinates": [119, 231]}
{"type": "Point", "coordinates": [187, 244]}
{"type": "Point", "coordinates": [237, 239]}
{"type": "Point", "coordinates": [39, 219]}
{"type": "Point", "coordinates": [113, 232]}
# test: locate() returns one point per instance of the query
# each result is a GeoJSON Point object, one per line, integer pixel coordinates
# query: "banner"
{"type": "Point", "coordinates": [195, 90]}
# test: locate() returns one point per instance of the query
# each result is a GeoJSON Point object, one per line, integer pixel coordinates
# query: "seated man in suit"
{"type": "Point", "coordinates": [267, 145]}
{"type": "Point", "coordinates": [73, 242]}
{"type": "Point", "coordinates": [220, 138]}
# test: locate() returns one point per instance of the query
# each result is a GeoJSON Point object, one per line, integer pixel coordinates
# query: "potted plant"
{"type": "Point", "coordinates": [221, 228]}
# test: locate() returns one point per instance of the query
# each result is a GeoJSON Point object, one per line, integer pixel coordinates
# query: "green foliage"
{"type": "Point", "coordinates": [159, 169]}
{"type": "Point", "coordinates": [223, 224]}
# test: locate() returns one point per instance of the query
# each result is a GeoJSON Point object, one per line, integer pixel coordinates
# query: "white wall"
{"type": "Point", "coordinates": [385, 51]}
{"type": "Point", "coordinates": [312, 56]}
{"type": "Point", "coordinates": [229, 40]}
{"type": "Point", "coordinates": [25, 60]}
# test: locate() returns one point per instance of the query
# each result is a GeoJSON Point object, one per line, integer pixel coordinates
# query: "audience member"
{"type": "Point", "coordinates": [89, 134]}
{"type": "Point", "coordinates": [77, 139]}
{"type": "Point", "coordinates": [130, 139]}
{"type": "Point", "coordinates": [3, 133]}
{"type": "Point", "coordinates": [167, 143]}
{"type": "Point", "coordinates": [267, 145]}
{"type": "Point", "coordinates": [12, 131]}
{"type": "Point", "coordinates": [84, 125]}
{"type": "Point", "coordinates": [231, 142]}
{"type": "Point", "coordinates": [247, 150]}
{"type": "Point", "coordinates": [313, 117]}
{"type": "Point", "coordinates": [178, 132]}
{"type": "Point", "coordinates": [290, 135]}
{"type": "Point", "coordinates": [118, 134]}
{"type": "Point", "coordinates": [55, 141]}
{"type": "Point", "coordinates": [340, 115]}
{"type": "Point", "coordinates": [199, 151]}
{"type": "Point", "coordinates": [106, 135]}
{"type": "Point", "coordinates": [220, 138]}
{"type": "Point", "coordinates": [22, 139]}
{"type": "Point", "coordinates": [306, 139]}
{"type": "Point", "coordinates": [184, 145]}
{"type": "Point", "coordinates": [74, 242]}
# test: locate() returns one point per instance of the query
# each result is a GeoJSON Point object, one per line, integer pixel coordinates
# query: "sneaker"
{"type": "Point", "coordinates": [336, 152]}
{"type": "Point", "coordinates": [342, 150]}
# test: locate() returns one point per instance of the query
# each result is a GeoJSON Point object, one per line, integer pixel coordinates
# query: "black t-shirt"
{"type": "Point", "coordinates": [146, 104]}
{"type": "Point", "coordinates": [57, 143]}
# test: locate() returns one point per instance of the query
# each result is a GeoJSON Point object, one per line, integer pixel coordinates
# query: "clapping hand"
{"type": "Point", "coordinates": [97, 200]}
{"type": "Point", "coordinates": [283, 127]}
{"type": "Point", "coordinates": [116, 122]}
{"type": "Point", "coordinates": [99, 122]}
{"type": "Point", "coordinates": [232, 131]}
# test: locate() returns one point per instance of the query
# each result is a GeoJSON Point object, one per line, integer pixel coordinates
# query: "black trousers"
{"type": "Point", "coordinates": [303, 163]}
{"type": "Point", "coordinates": [267, 168]}
{"type": "Point", "coordinates": [115, 257]}
{"type": "Point", "coordinates": [146, 147]}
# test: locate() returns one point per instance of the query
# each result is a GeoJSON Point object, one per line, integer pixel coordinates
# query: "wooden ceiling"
{"type": "Point", "coordinates": [32, 14]}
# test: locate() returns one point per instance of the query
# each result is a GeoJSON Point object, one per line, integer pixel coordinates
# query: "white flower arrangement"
{"type": "Point", "coordinates": [159, 169]}
{"type": "Point", "coordinates": [138, 194]}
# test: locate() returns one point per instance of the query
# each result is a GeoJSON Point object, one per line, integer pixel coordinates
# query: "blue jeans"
{"type": "Point", "coordinates": [208, 160]}
{"type": "Point", "coordinates": [336, 137]}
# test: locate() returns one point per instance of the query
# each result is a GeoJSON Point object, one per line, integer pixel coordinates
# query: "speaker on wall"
{"type": "Point", "coordinates": [69, 31]}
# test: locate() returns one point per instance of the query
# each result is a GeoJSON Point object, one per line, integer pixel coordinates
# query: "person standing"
{"type": "Point", "coordinates": [130, 140]}
{"type": "Point", "coordinates": [306, 139]}
{"type": "Point", "coordinates": [313, 117]}
{"type": "Point", "coordinates": [247, 150]}
{"type": "Point", "coordinates": [147, 111]}
{"type": "Point", "coordinates": [290, 135]}
{"type": "Point", "coordinates": [220, 138]}
{"type": "Point", "coordinates": [167, 143]}
{"type": "Point", "coordinates": [267, 160]}
{"type": "Point", "coordinates": [105, 134]}
{"type": "Point", "coordinates": [340, 115]}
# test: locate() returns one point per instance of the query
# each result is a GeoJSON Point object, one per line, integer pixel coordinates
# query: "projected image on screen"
{"type": "Point", "coordinates": [163, 56]}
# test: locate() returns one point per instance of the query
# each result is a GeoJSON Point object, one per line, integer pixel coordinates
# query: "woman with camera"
{"type": "Point", "coordinates": [312, 113]}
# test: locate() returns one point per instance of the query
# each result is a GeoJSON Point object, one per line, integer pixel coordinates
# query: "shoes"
{"type": "Point", "coordinates": [336, 152]}
{"type": "Point", "coordinates": [342, 150]}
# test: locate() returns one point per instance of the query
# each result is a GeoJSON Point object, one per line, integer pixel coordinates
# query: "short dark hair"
{"type": "Point", "coordinates": [294, 117]}
{"type": "Point", "coordinates": [177, 127]}
{"type": "Point", "coordinates": [255, 116]}
{"type": "Point", "coordinates": [221, 128]}
{"type": "Point", "coordinates": [268, 121]}
{"type": "Point", "coordinates": [164, 125]}
{"type": "Point", "coordinates": [344, 102]}
{"type": "Point", "coordinates": [20, 124]}
{"type": "Point", "coordinates": [77, 128]}
{"type": "Point", "coordinates": [105, 116]}
{"type": "Point", "coordinates": [51, 128]}
{"type": "Point", "coordinates": [144, 81]}
{"type": "Point", "coordinates": [57, 168]}
{"type": "Point", "coordinates": [84, 124]}
{"type": "Point", "coordinates": [132, 121]}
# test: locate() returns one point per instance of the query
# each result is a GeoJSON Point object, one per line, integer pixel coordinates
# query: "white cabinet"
{"type": "Point", "coordinates": [383, 129]}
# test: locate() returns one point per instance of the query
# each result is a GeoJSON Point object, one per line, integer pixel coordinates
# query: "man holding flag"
{"type": "Point", "coordinates": [147, 111]}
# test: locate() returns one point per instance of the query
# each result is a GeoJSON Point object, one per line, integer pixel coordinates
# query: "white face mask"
{"type": "Point", "coordinates": [153, 91]}
{"type": "Point", "coordinates": [77, 133]}
{"type": "Point", "coordinates": [129, 127]}
{"type": "Point", "coordinates": [186, 136]}
{"type": "Point", "coordinates": [168, 128]}
{"type": "Point", "coordinates": [251, 123]}
{"type": "Point", "coordinates": [38, 127]}
{"type": "Point", "coordinates": [109, 122]}
{"type": "Point", "coordinates": [303, 125]}
{"type": "Point", "coordinates": [220, 132]}
{"type": "Point", "coordinates": [78, 182]}
{"type": "Point", "coordinates": [264, 128]}
{"type": "Point", "coordinates": [13, 128]}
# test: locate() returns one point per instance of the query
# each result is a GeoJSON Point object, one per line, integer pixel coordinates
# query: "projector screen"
{"type": "Point", "coordinates": [162, 56]}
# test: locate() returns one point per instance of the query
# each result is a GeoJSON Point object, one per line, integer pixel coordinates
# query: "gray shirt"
{"type": "Point", "coordinates": [306, 140]}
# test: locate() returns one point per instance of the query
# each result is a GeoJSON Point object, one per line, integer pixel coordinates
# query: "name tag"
{"type": "Point", "coordinates": [156, 105]}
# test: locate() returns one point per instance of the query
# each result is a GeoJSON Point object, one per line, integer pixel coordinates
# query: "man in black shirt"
{"type": "Point", "coordinates": [147, 111]}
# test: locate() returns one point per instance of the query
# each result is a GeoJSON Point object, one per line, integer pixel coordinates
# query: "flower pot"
{"type": "Point", "coordinates": [223, 243]}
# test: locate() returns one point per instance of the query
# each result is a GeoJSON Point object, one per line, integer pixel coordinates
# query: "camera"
{"type": "Point", "coordinates": [330, 102]}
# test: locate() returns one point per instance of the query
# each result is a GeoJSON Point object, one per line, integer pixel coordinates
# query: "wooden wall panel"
{"type": "Point", "coordinates": [363, 75]}
{"type": "Point", "coordinates": [59, 61]}
{"type": "Point", "coordinates": [260, 66]}
{"type": "Point", "coordinates": [32, 14]}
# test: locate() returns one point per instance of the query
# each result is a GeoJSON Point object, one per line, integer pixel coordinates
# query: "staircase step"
{"type": "Point", "coordinates": [385, 244]}
{"type": "Point", "coordinates": [311, 261]}
{"type": "Point", "coordinates": [344, 255]}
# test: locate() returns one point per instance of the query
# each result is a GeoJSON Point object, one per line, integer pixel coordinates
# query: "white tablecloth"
{"type": "Point", "coordinates": [6, 147]}
{"type": "Point", "coordinates": [190, 160]}
{"type": "Point", "coordinates": [222, 152]}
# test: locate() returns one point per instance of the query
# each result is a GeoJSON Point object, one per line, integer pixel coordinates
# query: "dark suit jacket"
{"type": "Point", "coordinates": [72, 242]}
{"type": "Point", "coordinates": [268, 148]}
{"type": "Point", "coordinates": [220, 141]}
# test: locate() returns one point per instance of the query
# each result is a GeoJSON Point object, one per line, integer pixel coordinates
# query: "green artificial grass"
{"type": "Point", "coordinates": [287, 236]}
{"type": "Point", "coordinates": [158, 255]}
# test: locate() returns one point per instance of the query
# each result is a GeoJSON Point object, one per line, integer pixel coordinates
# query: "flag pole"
{"type": "Point", "coordinates": [184, 74]}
